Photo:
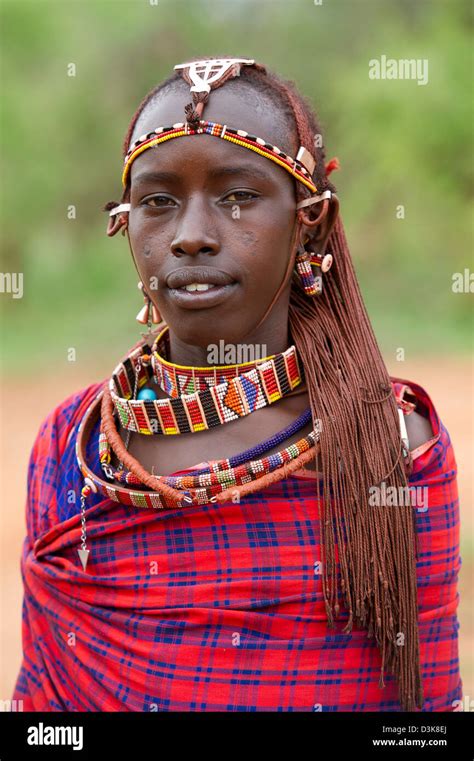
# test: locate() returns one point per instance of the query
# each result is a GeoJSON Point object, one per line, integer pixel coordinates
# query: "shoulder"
{"type": "Point", "coordinates": [419, 429]}
{"type": "Point", "coordinates": [51, 458]}
{"type": "Point", "coordinates": [58, 423]}
{"type": "Point", "coordinates": [429, 440]}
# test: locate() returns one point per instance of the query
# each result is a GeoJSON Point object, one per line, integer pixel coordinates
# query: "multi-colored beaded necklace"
{"type": "Point", "coordinates": [176, 379]}
{"type": "Point", "coordinates": [265, 383]}
{"type": "Point", "coordinates": [229, 471]}
{"type": "Point", "coordinates": [212, 483]}
{"type": "Point", "coordinates": [179, 492]}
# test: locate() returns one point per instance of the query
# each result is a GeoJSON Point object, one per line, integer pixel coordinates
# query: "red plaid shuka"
{"type": "Point", "coordinates": [217, 607]}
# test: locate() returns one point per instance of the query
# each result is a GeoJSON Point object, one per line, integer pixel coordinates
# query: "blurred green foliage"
{"type": "Point", "coordinates": [398, 143]}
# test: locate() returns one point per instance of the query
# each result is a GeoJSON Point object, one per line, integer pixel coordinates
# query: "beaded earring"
{"type": "Point", "coordinates": [311, 283]}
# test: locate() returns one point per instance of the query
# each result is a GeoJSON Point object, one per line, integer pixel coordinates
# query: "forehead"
{"type": "Point", "coordinates": [238, 105]}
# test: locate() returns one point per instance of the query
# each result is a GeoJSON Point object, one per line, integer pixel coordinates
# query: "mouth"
{"type": "Point", "coordinates": [199, 287]}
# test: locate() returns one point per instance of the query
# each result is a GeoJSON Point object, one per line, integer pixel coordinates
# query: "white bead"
{"type": "Point", "coordinates": [326, 263]}
{"type": "Point", "coordinates": [92, 485]}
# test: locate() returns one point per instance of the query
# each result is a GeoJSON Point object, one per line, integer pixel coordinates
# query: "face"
{"type": "Point", "coordinates": [211, 223]}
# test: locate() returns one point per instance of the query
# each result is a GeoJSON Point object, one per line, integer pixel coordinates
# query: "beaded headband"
{"type": "Point", "coordinates": [300, 167]}
{"type": "Point", "coordinates": [204, 76]}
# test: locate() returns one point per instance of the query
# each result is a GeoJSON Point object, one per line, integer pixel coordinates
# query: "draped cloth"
{"type": "Point", "coordinates": [215, 607]}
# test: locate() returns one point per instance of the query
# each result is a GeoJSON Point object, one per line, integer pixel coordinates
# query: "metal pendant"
{"type": "Point", "coordinates": [207, 72]}
{"type": "Point", "coordinates": [84, 557]}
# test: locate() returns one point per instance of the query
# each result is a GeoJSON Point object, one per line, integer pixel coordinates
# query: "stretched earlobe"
{"type": "Point", "coordinates": [115, 225]}
{"type": "Point", "coordinates": [307, 261]}
{"type": "Point", "coordinates": [319, 229]}
{"type": "Point", "coordinates": [306, 220]}
{"type": "Point", "coordinates": [120, 211]}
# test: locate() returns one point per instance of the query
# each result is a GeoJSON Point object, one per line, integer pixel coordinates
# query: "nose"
{"type": "Point", "coordinates": [193, 233]}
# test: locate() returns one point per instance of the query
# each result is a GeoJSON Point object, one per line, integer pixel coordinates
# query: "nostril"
{"type": "Point", "coordinates": [177, 251]}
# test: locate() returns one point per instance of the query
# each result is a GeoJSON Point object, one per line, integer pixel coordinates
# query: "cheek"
{"type": "Point", "coordinates": [264, 254]}
{"type": "Point", "coordinates": [148, 241]}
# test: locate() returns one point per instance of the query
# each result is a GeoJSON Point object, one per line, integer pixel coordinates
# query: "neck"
{"type": "Point", "coordinates": [268, 339]}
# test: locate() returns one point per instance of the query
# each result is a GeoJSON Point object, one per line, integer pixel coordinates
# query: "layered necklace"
{"type": "Point", "coordinates": [201, 397]}
{"type": "Point", "coordinates": [196, 399]}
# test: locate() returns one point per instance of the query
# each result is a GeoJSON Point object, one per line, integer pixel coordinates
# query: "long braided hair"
{"type": "Point", "coordinates": [368, 553]}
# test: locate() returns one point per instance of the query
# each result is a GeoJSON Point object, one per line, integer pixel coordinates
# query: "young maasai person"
{"type": "Point", "coordinates": [215, 533]}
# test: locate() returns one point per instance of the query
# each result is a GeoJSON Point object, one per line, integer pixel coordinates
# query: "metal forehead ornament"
{"type": "Point", "coordinates": [210, 71]}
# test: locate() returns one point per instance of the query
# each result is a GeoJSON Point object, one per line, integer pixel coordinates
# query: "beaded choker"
{"type": "Point", "coordinates": [175, 380]}
{"type": "Point", "coordinates": [263, 384]}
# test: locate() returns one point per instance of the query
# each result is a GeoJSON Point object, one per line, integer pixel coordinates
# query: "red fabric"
{"type": "Point", "coordinates": [214, 607]}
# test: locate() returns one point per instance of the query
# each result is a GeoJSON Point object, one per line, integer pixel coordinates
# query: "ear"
{"type": "Point", "coordinates": [323, 217]}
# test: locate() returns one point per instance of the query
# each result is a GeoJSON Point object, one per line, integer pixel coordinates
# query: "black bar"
{"type": "Point", "coordinates": [113, 736]}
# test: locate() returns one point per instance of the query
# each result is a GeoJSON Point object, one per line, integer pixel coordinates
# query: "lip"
{"type": "Point", "coordinates": [187, 275]}
{"type": "Point", "coordinates": [201, 299]}
{"type": "Point", "coordinates": [223, 284]}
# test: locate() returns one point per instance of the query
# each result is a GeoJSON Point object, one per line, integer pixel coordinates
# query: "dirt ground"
{"type": "Point", "coordinates": [449, 381]}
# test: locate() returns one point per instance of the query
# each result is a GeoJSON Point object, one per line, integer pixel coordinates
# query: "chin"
{"type": "Point", "coordinates": [203, 328]}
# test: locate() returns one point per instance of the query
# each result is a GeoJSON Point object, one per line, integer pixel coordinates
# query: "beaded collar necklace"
{"type": "Point", "coordinates": [180, 492]}
{"type": "Point", "coordinates": [203, 486]}
{"type": "Point", "coordinates": [263, 384]}
{"type": "Point", "coordinates": [226, 471]}
{"type": "Point", "coordinates": [178, 379]}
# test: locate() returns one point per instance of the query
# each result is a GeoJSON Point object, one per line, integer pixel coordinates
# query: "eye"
{"type": "Point", "coordinates": [158, 201]}
{"type": "Point", "coordinates": [248, 196]}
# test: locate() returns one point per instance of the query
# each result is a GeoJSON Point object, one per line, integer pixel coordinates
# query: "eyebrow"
{"type": "Point", "coordinates": [222, 171]}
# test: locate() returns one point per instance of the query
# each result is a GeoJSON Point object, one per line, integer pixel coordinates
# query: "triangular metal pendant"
{"type": "Point", "coordinates": [84, 557]}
